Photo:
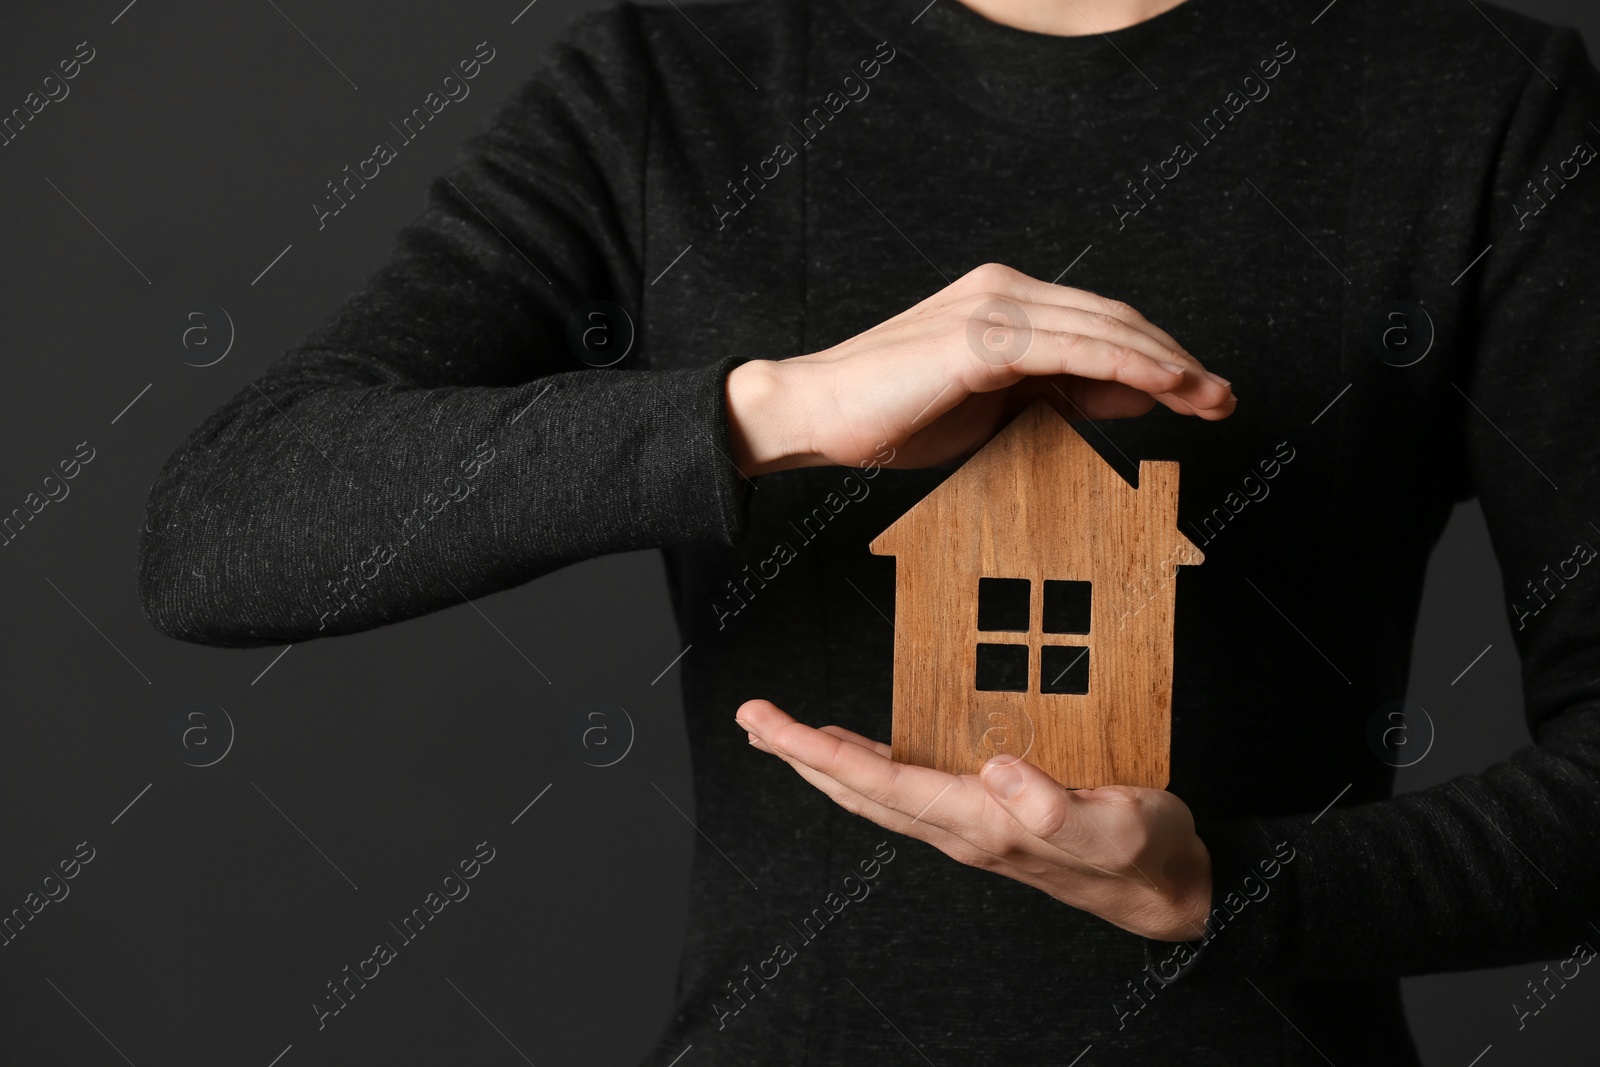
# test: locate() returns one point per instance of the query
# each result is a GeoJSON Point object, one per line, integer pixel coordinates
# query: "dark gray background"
{"type": "Point", "coordinates": [185, 158]}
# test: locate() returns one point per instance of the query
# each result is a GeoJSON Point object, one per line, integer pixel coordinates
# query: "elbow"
{"type": "Point", "coordinates": [182, 595]}
{"type": "Point", "coordinates": [205, 561]}
{"type": "Point", "coordinates": [173, 596]}
{"type": "Point", "coordinates": [167, 605]}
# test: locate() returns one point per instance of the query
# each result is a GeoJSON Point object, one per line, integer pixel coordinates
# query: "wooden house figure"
{"type": "Point", "coordinates": [1034, 601]}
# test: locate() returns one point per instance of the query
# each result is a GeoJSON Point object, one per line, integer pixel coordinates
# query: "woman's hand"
{"type": "Point", "coordinates": [940, 378]}
{"type": "Point", "coordinates": [1126, 854]}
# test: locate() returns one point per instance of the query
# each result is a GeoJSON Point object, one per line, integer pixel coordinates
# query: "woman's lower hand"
{"type": "Point", "coordinates": [939, 379]}
{"type": "Point", "coordinates": [1127, 854]}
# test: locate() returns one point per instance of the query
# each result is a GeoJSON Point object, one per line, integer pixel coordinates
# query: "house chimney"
{"type": "Point", "coordinates": [1158, 492]}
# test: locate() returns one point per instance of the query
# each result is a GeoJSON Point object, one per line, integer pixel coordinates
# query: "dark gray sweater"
{"type": "Point", "coordinates": [1303, 204]}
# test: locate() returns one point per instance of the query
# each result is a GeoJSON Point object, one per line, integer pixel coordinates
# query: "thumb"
{"type": "Point", "coordinates": [1037, 801]}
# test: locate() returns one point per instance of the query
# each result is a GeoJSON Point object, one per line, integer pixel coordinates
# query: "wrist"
{"type": "Point", "coordinates": [764, 424]}
{"type": "Point", "coordinates": [1186, 899]}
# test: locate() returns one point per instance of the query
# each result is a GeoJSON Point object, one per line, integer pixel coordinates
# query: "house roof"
{"type": "Point", "coordinates": [1039, 474]}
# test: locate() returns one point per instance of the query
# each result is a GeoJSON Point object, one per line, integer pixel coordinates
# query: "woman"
{"type": "Point", "coordinates": [658, 303]}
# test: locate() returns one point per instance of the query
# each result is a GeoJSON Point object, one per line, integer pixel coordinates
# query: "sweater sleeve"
{"type": "Point", "coordinates": [1501, 867]}
{"type": "Point", "coordinates": [439, 437]}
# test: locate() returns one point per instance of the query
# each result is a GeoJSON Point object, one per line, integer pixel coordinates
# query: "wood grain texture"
{"type": "Point", "coordinates": [1037, 502]}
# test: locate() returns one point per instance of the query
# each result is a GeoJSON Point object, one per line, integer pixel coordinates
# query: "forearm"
{"type": "Point", "coordinates": [1485, 870]}
{"type": "Point", "coordinates": [308, 511]}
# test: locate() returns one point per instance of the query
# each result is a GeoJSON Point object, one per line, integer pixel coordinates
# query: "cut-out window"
{"type": "Point", "coordinates": [1064, 669]}
{"type": "Point", "coordinates": [1003, 604]}
{"type": "Point", "coordinates": [1066, 607]}
{"type": "Point", "coordinates": [1003, 668]}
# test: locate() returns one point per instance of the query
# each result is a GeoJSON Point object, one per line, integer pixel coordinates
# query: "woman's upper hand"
{"type": "Point", "coordinates": [939, 379]}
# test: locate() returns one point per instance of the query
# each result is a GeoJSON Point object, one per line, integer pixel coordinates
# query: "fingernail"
{"type": "Point", "coordinates": [1003, 779]}
{"type": "Point", "coordinates": [1219, 379]}
{"type": "Point", "coordinates": [1176, 368]}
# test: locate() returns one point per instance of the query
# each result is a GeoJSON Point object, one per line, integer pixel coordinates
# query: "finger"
{"type": "Point", "coordinates": [764, 715]}
{"type": "Point", "coordinates": [994, 277]}
{"type": "Point", "coordinates": [1093, 323]}
{"type": "Point", "coordinates": [958, 820]}
{"type": "Point", "coordinates": [997, 277]}
{"type": "Point", "coordinates": [947, 841]}
{"type": "Point", "coordinates": [1089, 400]}
{"type": "Point", "coordinates": [1010, 344]}
{"type": "Point", "coordinates": [1178, 404]}
{"type": "Point", "coordinates": [992, 840]}
{"type": "Point", "coordinates": [1200, 389]}
{"type": "Point", "coordinates": [1000, 846]}
{"type": "Point", "coordinates": [1186, 407]}
{"type": "Point", "coordinates": [865, 742]}
{"type": "Point", "coordinates": [1122, 310]}
{"type": "Point", "coordinates": [1211, 414]}
{"type": "Point", "coordinates": [1036, 289]}
{"type": "Point", "coordinates": [1085, 356]}
{"type": "Point", "coordinates": [904, 787]}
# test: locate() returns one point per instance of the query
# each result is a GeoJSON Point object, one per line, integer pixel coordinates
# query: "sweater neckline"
{"type": "Point", "coordinates": [1027, 78]}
